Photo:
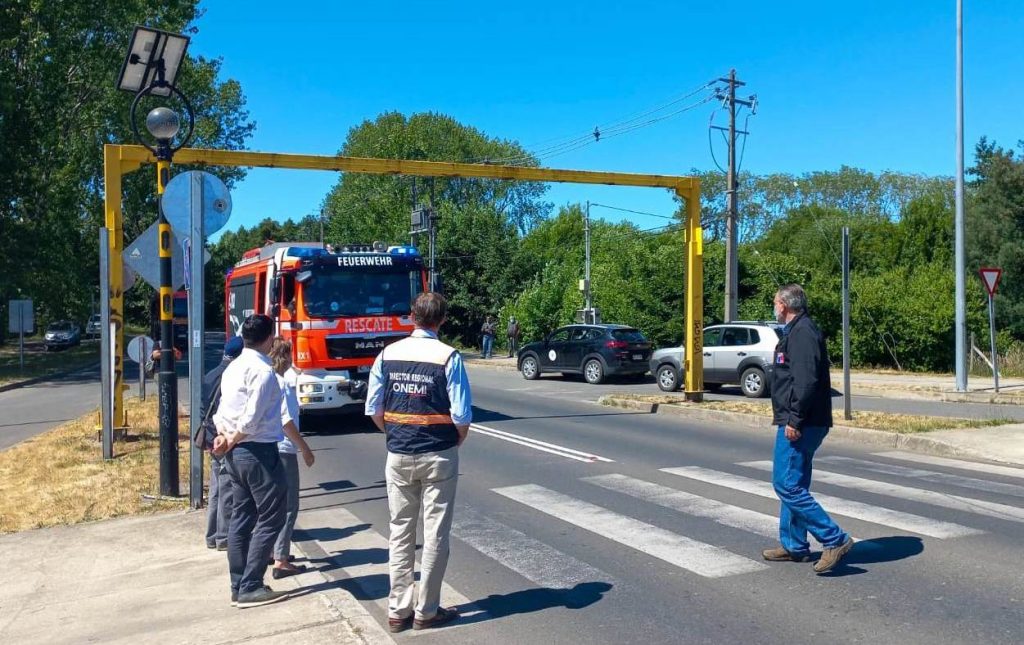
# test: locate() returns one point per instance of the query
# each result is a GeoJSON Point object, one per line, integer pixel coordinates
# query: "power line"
{"type": "Point", "coordinates": [627, 210]}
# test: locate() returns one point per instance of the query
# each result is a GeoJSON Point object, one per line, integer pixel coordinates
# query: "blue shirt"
{"type": "Point", "coordinates": [458, 386]}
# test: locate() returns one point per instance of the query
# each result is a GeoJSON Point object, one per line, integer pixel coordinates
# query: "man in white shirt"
{"type": "Point", "coordinates": [248, 423]}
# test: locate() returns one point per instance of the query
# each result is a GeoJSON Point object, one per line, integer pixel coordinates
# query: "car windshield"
{"type": "Point", "coordinates": [60, 326]}
{"type": "Point", "coordinates": [94, 318]}
{"type": "Point", "coordinates": [629, 335]}
{"type": "Point", "coordinates": [333, 292]}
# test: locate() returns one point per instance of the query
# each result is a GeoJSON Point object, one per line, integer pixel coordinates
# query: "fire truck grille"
{"type": "Point", "coordinates": [358, 347]}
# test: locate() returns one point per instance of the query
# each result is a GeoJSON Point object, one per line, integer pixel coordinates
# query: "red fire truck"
{"type": "Point", "coordinates": [339, 308]}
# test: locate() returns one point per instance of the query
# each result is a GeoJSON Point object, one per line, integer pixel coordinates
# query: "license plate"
{"type": "Point", "coordinates": [638, 357]}
{"type": "Point", "coordinates": [364, 369]}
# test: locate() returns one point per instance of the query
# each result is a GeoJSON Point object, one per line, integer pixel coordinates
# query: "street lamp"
{"type": "Point", "coordinates": [151, 67]}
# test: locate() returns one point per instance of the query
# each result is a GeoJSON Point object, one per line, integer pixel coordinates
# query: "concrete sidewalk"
{"type": "Point", "coordinates": [151, 579]}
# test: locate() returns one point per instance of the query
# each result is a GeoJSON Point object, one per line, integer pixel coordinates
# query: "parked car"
{"type": "Point", "coordinates": [734, 353]}
{"type": "Point", "coordinates": [596, 351]}
{"type": "Point", "coordinates": [61, 335]}
{"type": "Point", "coordinates": [94, 326]}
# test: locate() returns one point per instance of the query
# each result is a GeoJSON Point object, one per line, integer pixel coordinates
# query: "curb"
{"type": "Point", "coordinates": [1014, 398]}
{"type": "Point", "coordinates": [47, 377]}
{"type": "Point", "coordinates": [880, 438]}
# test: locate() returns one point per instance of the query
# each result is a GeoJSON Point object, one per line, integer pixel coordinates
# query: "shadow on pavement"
{"type": "Point", "coordinates": [875, 551]}
{"type": "Point", "coordinates": [328, 534]}
{"type": "Point", "coordinates": [527, 601]}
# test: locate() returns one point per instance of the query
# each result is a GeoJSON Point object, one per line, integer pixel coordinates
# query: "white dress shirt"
{"type": "Point", "coordinates": [250, 399]}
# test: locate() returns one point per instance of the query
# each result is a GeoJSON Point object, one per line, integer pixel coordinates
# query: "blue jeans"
{"type": "Point", "coordinates": [791, 478]}
{"type": "Point", "coordinates": [258, 492]}
{"type": "Point", "coordinates": [488, 345]}
{"type": "Point", "coordinates": [282, 547]}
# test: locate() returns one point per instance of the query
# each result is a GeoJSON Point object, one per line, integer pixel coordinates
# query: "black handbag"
{"type": "Point", "coordinates": [206, 431]}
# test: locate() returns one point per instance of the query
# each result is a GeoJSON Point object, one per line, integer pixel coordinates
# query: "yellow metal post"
{"type": "Point", "coordinates": [115, 279]}
{"type": "Point", "coordinates": [694, 357]}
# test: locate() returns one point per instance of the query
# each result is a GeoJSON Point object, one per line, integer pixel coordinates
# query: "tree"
{"type": "Point", "coordinates": [58, 106]}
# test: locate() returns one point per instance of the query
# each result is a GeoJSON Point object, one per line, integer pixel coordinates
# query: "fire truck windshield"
{"type": "Point", "coordinates": [333, 292]}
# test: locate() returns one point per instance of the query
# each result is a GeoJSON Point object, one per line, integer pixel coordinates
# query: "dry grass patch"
{"type": "Point", "coordinates": [60, 477]}
{"type": "Point", "coordinates": [39, 362]}
{"type": "Point", "coordinates": [891, 422]}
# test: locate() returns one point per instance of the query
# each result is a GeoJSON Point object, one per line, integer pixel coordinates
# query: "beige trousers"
{"type": "Point", "coordinates": [419, 482]}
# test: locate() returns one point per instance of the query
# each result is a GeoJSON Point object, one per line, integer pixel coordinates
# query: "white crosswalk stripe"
{"type": "Point", "coordinates": [935, 498]}
{"type": "Point", "coordinates": [836, 505]}
{"type": "Point", "coordinates": [992, 469]}
{"type": "Point", "coordinates": [700, 558]}
{"type": "Point", "coordinates": [725, 514]}
{"type": "Point", "coordinates": [539, 563]}
{"type": "Point", "coordinates": [1015, 490]}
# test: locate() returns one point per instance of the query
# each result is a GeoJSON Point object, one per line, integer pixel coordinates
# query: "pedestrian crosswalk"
{"type": "Point", "coordinates": [732, 497]}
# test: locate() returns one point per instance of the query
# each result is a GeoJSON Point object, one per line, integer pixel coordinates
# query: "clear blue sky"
{"type": "Point", "coordinates": [867, 84]}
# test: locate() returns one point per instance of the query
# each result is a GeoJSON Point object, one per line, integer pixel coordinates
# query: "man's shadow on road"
{"type": "Point", "coordinates": [527, 601]}
{"type": "Point", "coordinates": [876, 551]}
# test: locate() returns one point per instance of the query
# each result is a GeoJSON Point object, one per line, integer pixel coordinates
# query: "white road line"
{"type": "Point", "coordinates": [935, 498]}
{"type": "Point", "coordinates": [539, 563]}
{"type": "Point", "coordinates": [838, 505]}
{"type": "Point", "coordinates": [536, 444]}
{"type": "Point", "coordinates": [992, 469]}
{"type": "Point", "coordinates": [1015, 490]}
{"type": "Point", "coordinates": [703, 559]}
{"type": "Point", "coordinates": [677, 500]}
{"type": "Point", "coordinates": [372, 577]}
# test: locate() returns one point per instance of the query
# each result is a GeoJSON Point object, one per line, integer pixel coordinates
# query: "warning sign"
{"type": "Point", "coordinates": [990, 276]}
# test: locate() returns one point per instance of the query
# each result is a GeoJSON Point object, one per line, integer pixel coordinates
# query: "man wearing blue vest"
{"type": "Point", "coordinates": [418, 395]}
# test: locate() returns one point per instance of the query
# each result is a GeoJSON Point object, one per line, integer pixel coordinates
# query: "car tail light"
{"type": "Point", "coordinates": [616, 344]}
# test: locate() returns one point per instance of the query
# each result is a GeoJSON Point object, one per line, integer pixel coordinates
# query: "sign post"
{"type": "Point", "coordinates": [990, 276]}
{"type": "Point", "coordinates": [20, 320]}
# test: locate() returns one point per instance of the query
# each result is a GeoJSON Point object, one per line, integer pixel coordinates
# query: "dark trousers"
{"type": "Point", "coordinates": [258, 491]}
{"type": "Point", "coordinates": [218, 516]}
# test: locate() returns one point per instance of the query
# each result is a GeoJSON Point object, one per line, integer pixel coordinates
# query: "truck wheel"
{"type": "Point", "coordinates": [668, 378]}
{"type": "Point", "coordinates": [530, 368]}
{"type": "Point", "coordinates": [593, 371]}
{"type": "Point", "coordinates": [753, 383]}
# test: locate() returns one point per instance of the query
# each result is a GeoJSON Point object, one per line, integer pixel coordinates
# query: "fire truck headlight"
{"type": "Point", "coordinates": [306, 388]}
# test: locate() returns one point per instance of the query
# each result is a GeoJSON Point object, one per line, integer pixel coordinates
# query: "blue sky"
{"type": "Point", "coordinates": [867, 84]}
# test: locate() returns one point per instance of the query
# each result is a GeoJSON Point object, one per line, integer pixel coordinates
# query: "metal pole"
{"type": "Point", "coordinates": [847, 403]}
{"type": "Point", "coordinates": [167, 381]}
{"type": "Point", "coordinates": [144, 352]}
{"type": "Point", "coordinates": [21, 336]}
{"type": "Point", "coordinates": [992, 335]}
{"type": "Point", "coordinates": [106, 356]}
{"type": "Point", "coordinates": [731, 255]}
{"type": "Point", "coordinates": [196, 299]}
{"type": "Point", "coordinates": [959, 228]}
{"type": "Point", "coordinates": [588, 310]}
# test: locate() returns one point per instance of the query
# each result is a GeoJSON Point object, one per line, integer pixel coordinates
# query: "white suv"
{"type": "Point", "coordinates": [734, 353]}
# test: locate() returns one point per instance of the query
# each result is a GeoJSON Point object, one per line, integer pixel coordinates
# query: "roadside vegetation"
{"type": "Point", "coordinates": [60, 477]}
{"type": "Point", "coordinates": [39, 362]}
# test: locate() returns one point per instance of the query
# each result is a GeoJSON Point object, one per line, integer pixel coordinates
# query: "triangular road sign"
{"type": "Point", "coordinates": [990, 276]}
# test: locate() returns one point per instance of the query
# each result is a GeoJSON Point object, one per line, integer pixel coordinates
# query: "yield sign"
{"type": "Point", "coordinates": [990, 276]}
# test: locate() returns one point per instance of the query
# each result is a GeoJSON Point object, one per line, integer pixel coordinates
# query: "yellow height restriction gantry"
{"type": "Point", "coordinates": [121, 159]}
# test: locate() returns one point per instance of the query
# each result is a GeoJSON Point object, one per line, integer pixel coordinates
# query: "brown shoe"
{"type": "Point", "coordinates": [831, 557]}
{"type": "Point", "coordinates": [396, 625]}
{"type": "Point", "coordinates": [779, 554]}
{"type": "Point", "coordinates": [442, 617]}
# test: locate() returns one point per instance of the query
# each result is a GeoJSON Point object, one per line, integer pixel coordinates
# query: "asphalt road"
{"type": "Point", "coordinates": [570, 529]}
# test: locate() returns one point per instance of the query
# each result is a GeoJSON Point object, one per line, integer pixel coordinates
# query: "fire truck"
{"type": "Point", "coordinates": [338, 307]}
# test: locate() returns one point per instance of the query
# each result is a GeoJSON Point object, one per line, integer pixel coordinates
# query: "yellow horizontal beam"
{"type": "Point", "coordinates": [364, 165]}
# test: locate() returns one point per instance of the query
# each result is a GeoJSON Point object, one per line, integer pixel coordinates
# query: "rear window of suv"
{"type": "Point", "coordinates": [629, 335]}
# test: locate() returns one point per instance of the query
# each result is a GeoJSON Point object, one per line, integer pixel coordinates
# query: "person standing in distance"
{"type": "Point", "coordinates": [248, 423]}
{"type": "Point", "coordinates": [802, 411]}
{"type": "Point", "coordinates": [512, 331]}
{"type": "Point", "coordinates": [488, 330]}
{"type": "Point", "coordinates": [419, 396]}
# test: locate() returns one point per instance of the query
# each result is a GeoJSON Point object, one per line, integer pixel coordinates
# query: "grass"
{"type": "Point", "coordinates": [891, 422]}
{"type": "Point", "coordinates": [59, 477]}
{"type": "Point", "coordinates": [39, 362]}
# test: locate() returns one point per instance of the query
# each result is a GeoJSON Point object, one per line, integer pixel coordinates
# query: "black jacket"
{"type": "Point", "coordinates": [801, 385]}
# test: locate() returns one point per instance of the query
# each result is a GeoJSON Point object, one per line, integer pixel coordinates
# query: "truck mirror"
{"type": "Point", "coordinates": [303, 276]}
{"type": "Point", "coordinates": [275, 310]}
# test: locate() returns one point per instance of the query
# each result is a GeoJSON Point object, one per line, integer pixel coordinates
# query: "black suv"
{"type": "Point", "coordinates": [596, 351]}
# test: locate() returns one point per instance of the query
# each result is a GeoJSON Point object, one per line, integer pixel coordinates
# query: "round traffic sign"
{"type": "Point", "coordinates": [139, 349]}
{"type": "Point", "coordinates": [215, 202]}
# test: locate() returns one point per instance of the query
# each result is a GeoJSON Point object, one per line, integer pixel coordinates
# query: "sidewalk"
{"type": "Point", "coordinates": [151, 579]}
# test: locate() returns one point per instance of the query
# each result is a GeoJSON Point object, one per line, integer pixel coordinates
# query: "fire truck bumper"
{"type": "Point", "coordinates": [330, 391]}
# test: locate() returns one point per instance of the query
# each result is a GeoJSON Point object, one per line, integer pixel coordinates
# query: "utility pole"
{"type": "Point", "coordinates": [959, 227]}
{"type": "Point", "coordinates": [731, 229]}
{"type": "Point", "coordinates": [588, 310]}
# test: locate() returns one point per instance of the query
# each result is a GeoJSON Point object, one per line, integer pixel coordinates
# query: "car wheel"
{"type": "Point", "coordinates": [530, 368]}
{"type": "Point", "coordinates": [753, 383]}
{"type": "Point", "coordinates": [593, 371]}
{"type": "Point", "coordinates": [668, 378]}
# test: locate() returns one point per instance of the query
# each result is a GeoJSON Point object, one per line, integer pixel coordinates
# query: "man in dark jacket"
{"type": "Point", "coordinates": [802, 411]}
